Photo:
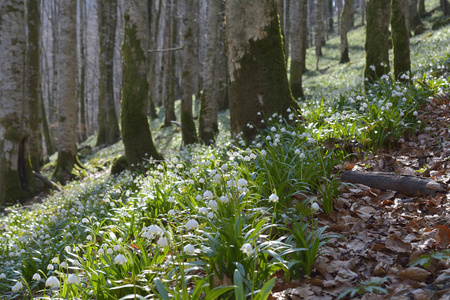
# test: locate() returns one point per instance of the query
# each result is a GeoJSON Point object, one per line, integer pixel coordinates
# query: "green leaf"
{"type": "Point", "coordinates": [238, 282]}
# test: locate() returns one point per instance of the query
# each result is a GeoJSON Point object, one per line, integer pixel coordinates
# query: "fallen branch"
{"type": "Point", "coordinates": [46, 181]}
{"type": "Point", "coordinates": [405, 184]}
{"type": "Point", "coordinates": [167, 49]}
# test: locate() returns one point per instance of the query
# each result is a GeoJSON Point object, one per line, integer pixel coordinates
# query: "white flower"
{"type": "Point", "coordinates": [315, 207]}
{"type": "Point", "coordinates": [189, 249]}
{"type": "Point", "coordinates": [171, 199]}
{"type": "Point", "coordinates": [203, 210]}
{"type": "Point", "coordinates": [241, 182]}
{"type": "Point", "coordinates": [63, 264]}
{"type": "Point", "coordinates": [415, 114]}
{"type": "Point", "coordinates": [17, 287]}
{"type": "Point", "coordinates": [109, 251]}
{"type": "Point", "coordinates": [224, 199]}
{"type": "Point", "coordinates": [217, 178]}
{"type": "Point", "coordinates": [89, 238]}
{"type": "Point", "coordinates": [36, 277]}
{"type": "Point", "coordinates": [372, 67]}
{"type": "Point", "coordinates": [297, 151]}
{"type": "Point", "coordinates": [273, 129]}
{"type": "Point", "coordinates": [198, 197]}
{"type": "Point", "coordinates": [247, 249]}
{"type": "Point", "coordinates": [85, 220]}
{"type": "Point", "coordinates": [55, 260]}
{"type": "Point", "coordinates": [201, 180]}
{"type": "Point", "coordinates": [208, 194]}
{"type": "Point", "coordinates": [101, 251]}
{"type": "Point", "coordinates": [302, 155]}
{"type": "Point", "coordinates": [50, 267]}
{"type": "Point", "coordinates": [162, 242]}
{"type": "Point", "coordinates": [191, 224]}
{"type": "Point", "coordinates": [52, 281]}
{"type": "Point", "coordinates": [210, 215]}
{"type": "Point", "coordinates": [273, 198]}
{"type": "Point", "coordinates": [212, 204]}
{"type": "Point", "coordinates": [171, 212]}
{"type": "Point", "coordinates": [117, 248]}
{"type": "Point", "coordinates": [263, 152]}
{"type": "Point", "coordinates": [154, 230]}
{"type": "Point", "coordinates": [73, 279]}
{"type": "Point", "coordinates": [120, 259]}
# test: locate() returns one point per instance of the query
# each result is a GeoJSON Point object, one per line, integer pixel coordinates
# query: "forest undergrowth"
{"type": "Point", "coordinates": [269, 219]}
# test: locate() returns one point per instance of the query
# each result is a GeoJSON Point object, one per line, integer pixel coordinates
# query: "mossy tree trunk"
{"type": "Point", "coordinates": [33, 76]}
{"type": "Point", "coordinates": [377, 40]}
{"type": "Point", "coordinates": [222, 66]}
{"type": "Point", "coordinates": [16, 179]}
{"type": "Point", "coordinates": [421, 8]}
{"type": "Point", "coordinates": [299, 8]}
{"type": "Point", "coordinates": [82, 126]}
{"type": "Point", "coordinates": [400, 40]}
{"type": "Point", "coordinates": [258, 79]}
{"type": "Point", "coordinates": [68, 112]}
{"type": "Point", "coordinates": [414, 17]}
{"type": "Point", "coordinates": [188, 74]}
{"type": "Point", "coordinates": [209, 102]}
{"type": "Point", "coordinates": [169, 76]}
{"type": "Point", "coordinates": [152, 25]}
{"type": "Point", "coordinates": [136, 134]}
{"type": "Point", "coordinates": [345, 23]}
{"type": "Point", "coordinates": [108, 132]}
{"type": "Point", "coordinates": [318, 35]}
{"type": "Point", "coordinates": [445, 7]}
{"type": "Point", "coordinates": [46, 131]}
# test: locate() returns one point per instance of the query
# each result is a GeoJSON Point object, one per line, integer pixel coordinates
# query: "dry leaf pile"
{"type": "Point", "coordinates": [382, 232]}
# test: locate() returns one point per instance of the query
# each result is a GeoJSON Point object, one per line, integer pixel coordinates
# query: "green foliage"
{"type": "Point", "coordinates": [371, 286]}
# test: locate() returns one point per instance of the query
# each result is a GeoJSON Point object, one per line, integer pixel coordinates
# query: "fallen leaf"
{"type": "Point", "coordinates": [414, 273]}
{"type": "Point", "coordinates": [394, 243]}
{"type": "Point", "coordinates": [442, 236]}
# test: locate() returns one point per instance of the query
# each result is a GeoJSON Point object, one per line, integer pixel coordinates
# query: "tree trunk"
{"type": "Point", "coordinates": [339, 13]}
{"type": "Point", "coordinates": [345, 22]}
{"type": "Point", "coordinates": [16, 178]}
{"type": "Point", "coordinates": [330, 16]}
{"type": "Point", "coordinates": [33, 75]}
{"type": "Point", "coordinates": [363, 12]}
{"type": "Point", "coordinates": [377, 40]}
{"type": "Point", "coordinates": [222, 67]}
{"type": "Point", "coordinates": [258, 79]}
{"type": "Point", "coordinates": [188, 73]}
{"type": "Point", "coordinates": [67, 133]}
{"type": "Point", "coordinates": [445, 6]}
{"type": "Point", "coordinates": [82, 84]}
{"type": "Point", "coordinates": [414, 17]}
{"type": "Point", "coordinates": [400, 40]}
{"type": "Point", "coordinates": [208, 106]}
{"type": "Point", "coordinates": [298, 42]}
{"type": "Point", "coordinates": [421, 8]}
{"type": "Point", "coordinates": [153, 44]}
{"type": "Point", "coordinates": [170, 31]}
{"type": "Point", "coordinates": [136, 134]}
{"type": "Point", "coordinates": [108, 132]}
{"type": "Point", "coordinates": [319, 31]}
{"type": "Point", "coordinates": [47, 136]}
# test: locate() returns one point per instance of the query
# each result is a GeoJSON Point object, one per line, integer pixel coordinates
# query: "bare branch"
{"type": "Point", "coordinates": [168, 49]}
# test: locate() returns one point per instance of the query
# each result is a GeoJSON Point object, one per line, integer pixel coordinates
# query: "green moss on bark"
{"type": "Point", "coordinates": [295, 79]}
{"type": "Point", "coordinates": [13, 190]}
{"type": "Point", "coordinates": [377, 40]}
{"type": "Point", "coordinates": [136, 134]}
{"type": "Point", "coordinates": [400, 41]}
{"type": "Point", "coordinates": [261, 82]}
{"type": "Point", "coordinates": [64, 167]}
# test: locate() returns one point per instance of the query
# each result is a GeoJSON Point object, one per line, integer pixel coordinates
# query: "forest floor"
{"type": "Point", "coordinates": [382, 232]}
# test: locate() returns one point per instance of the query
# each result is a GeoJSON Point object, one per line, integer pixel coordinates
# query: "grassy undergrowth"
{"type": "Point", "coordinates": [217, 221]}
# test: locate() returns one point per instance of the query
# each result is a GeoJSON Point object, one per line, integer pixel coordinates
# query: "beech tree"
{"type": "Point", "coordinates": [67, 93]}
{"type": "Point", "coordinates": [258, 79]}
{"type": "Point", "coordinates": [108, 132]}
{"type": "Point", "coordinates": [16, 179]}
{"type": "Point", "coordinates": [136, 133]}
{"type": "Point", "coordinates": [345, 24]}
{"type": "Point", "coordinates": [400, 40]}
{"type": "Point", "coordinates": [377, 40]}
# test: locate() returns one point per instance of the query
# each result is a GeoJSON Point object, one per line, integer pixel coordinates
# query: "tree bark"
{"type": "Point", "coordinates": [208, 126]}
{"type": "Point", "coordinates": [345, 22]}
{"type": "Point", "coordinates": [16, 178]}
{"type": "Point", "coordinates": [299, 44]}
{"type": "Point", "coordinates": [136, 134]}
{"type": "Point", "coordinates": [82, 128]}
{"type": "Point", "coordinates": [421, 9]}
{"type": "Point", "coordinates": [108, 132]}
{"type": "Point", "coordinates": [377, 40]}
{"type": "Point", "coordinates": [400, 40]}
{"type": "Point", "coordinates": [445, 7]}
{"type": "Point", "coordinates": [68, 112]}
{"type": "Point", "coordinates": [319, 31]}
{"type": "Point", "coordinates": [188, 75]}
{"type": "Point", "coordinates": [34, 86]}
{"type": "Point", "coordinates": [258, 79]}
{"type": "Point", "coordinates": [170, 36]}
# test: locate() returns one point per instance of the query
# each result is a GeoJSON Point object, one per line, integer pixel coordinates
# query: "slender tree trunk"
{"type": "Point", "coordinates": [82, 84]}
{"type": "Point", "coordinates": [363, 12]}
{"type": "Point", "coordinates": [47, 137]}
{"type": "Point", "coordinates": [34, 86]}
{"type": "Point", "coordinates": [377, 40]}
{"type": "Point", "coordinates": [400, 40]}
{"type": "Point", "coordinates": [108, 132]}
{"type": "Point", "coordinates": [445, 7]}
{"type": "Point", "coordinates": [136, 134]}
{"type": "Point", "coordinates": [298, 40]}
{"type": "Point", "coordinates": [153, 44]}
{"type": "Point", "coordinates": [339, 12]}
{"type": "Point", "coordinates": [414, 17]}
{"type": "Point", "coordinates": [222, 66]}
{"type": "Point", "coordinates": [345, 20]}
{"type": "Point", "coordinates": [330, 17]}
{"type": "Point", "coordinates": [258, 79]}
{"type": "Point", "coordinates": [208, 106]}
{"type": "Point", "coordinates": [173, 60]}
{"type": "Point", "coordinates": [421, 8]}
{"type": "Point", "coordinates": [319, 31]}
{"type": "Point", "coordinates": [169, 101]}
{"type": "Point", "coordinates": [16, 179]}
{"type": "Point", "coordinates": [188, 73]}
{"type": "Point", "coordinates": [53, 100]}
{"type": "Point", "coordinates": [68, 112]}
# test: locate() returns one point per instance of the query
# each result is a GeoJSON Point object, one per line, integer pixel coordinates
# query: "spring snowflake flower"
{"type": "Point", "coordinates": [297, 151]}
{"type": "Point", "coordinates": [201, 180]}
{"type": "Point", "coordinates": [315, 207]}
{"type": "Point", "coordinates": [198, 198]}
{"type": "Point", "coordinates": [273, 198]}
{"type": "Point", "coordinates": [50, 267]}
{"type": "Point", "coordinates": [109, 251]}
{"type": "Point", "coordinates": [208, 194]}
{"type": "Point", "coordinates": [52, 281]}
{"type": "Point", "coordinates": [203, 210]}
{"type": "Point", "coordinates": [120, 259]}
{"type": "Point", "coordinates": [101, 251]}
{"type": "Point", "coordinates": [217, 179]}
{"type": "Point", "coordinates": [17, 287]}
{"type": "Point", "coordinates": [224, 199]}
{"type": "Point", "coordinates": [63, 264]}
{"type": "Point", "coordinates": [89, 238]}
{"type": "Point", "coordinates": [263, 152]}
{"type": "Point", "coordinates": [210, 215]}
{"type": "Point", "coordinates": [212, 204]}
{"type": "Point", "coordinates": [415, 114]}
{"type": "Point", "coordinates": [73, 279]}
{"type": "Point", "coordinates": [85, 220]}
{"type": "Point", "coordinates": [154, 230]}
{"type": "Point", "coordinates": [247, 249]}
{"type": "Point", "coordinates": [241, 182]}
{"type": "Point", "coordinates": [36, 277]}
{"type": "Point", "coordinates": [162, 242]}
{"type": "Point", "coordinates": [189, 249]}
{"type": "Point", "coordinates": [372, 67]}
{"type": "Point", "coordinates": [191, 224]}
{"type": "Point", "coordinates": [117, 248]}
